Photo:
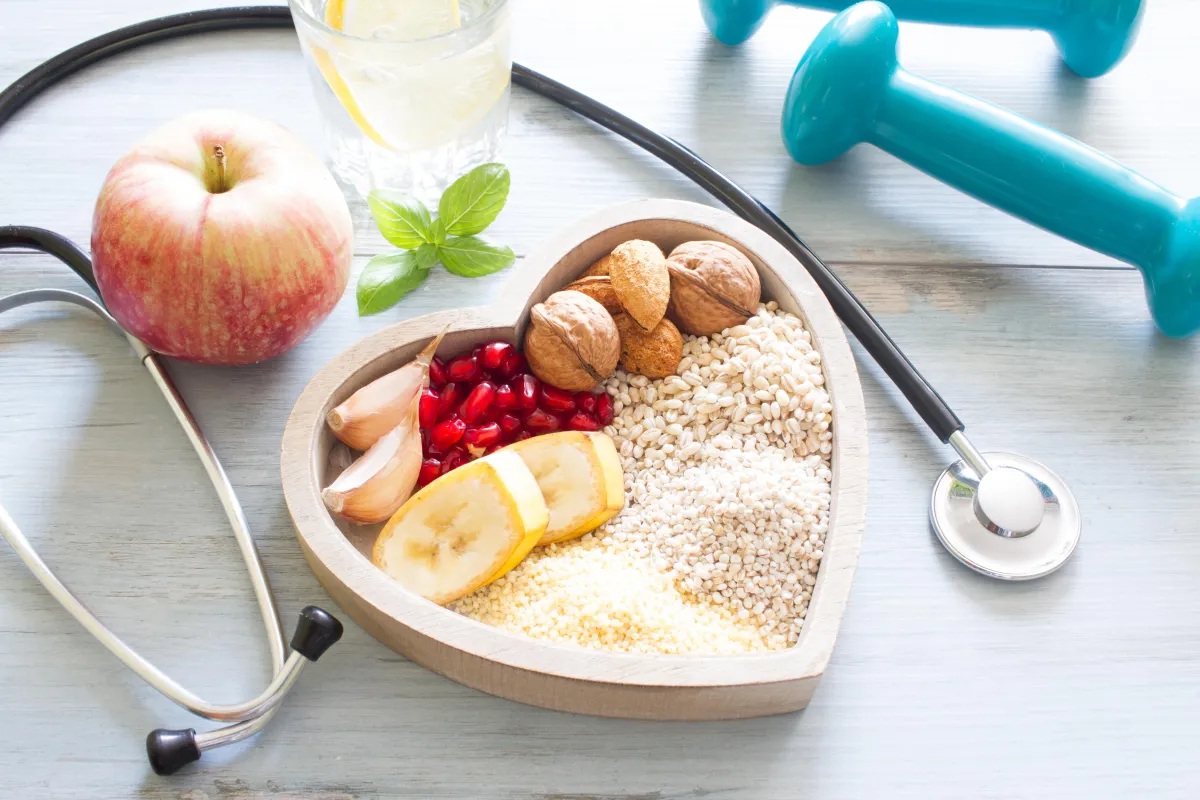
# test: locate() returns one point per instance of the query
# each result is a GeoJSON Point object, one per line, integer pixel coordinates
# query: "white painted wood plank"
{"type": "Point", "coordinates": [944, 683]}
{"type": "Point", "coordinates": [656, 62]}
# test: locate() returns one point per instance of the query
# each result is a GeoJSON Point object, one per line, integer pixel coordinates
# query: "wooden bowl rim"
{"type": "Point", "coordinates": [345, 564]}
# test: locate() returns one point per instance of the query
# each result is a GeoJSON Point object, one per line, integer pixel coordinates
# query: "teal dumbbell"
{"type": "Point", "coordinates": [848, 88]}
{"type": "Point", "coordinates": [1092, 35]}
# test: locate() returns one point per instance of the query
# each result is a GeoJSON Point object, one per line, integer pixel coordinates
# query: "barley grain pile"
{"type": "Point", "coordinates": [727, 484]}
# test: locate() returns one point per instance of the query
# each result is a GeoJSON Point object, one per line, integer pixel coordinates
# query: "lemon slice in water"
{"type": "Point", "coordinates": [421, 92]}
{"type": "Point", "coordinates": [393, 19]}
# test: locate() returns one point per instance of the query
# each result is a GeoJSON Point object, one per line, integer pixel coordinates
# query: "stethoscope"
{"type": "Point", "coordinates": [1001, 514]}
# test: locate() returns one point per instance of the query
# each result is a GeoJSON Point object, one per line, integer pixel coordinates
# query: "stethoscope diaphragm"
{"type": "Point", "coordinates": [1021, 522]}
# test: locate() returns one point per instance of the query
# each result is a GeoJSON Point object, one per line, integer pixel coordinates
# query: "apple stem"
{"type": "Point", "coordinates": [219, 155]}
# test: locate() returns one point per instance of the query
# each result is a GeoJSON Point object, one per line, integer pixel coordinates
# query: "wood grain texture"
{"type": "Point", "coordinates": [943, 684]}
{"type": "Point", "coordinates": [657, 63]}
{"type": "Point", "coordinates": [693, 687]}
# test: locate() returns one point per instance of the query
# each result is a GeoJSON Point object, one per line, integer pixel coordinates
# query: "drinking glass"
{"type": "Point", "coordinates": [410, 114]}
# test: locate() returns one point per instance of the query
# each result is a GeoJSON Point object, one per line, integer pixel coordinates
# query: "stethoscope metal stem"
{"type": "Point", "coordinates": [250, 716]}
{"type": "Point", "coordinates": [115, 645]}
{"type": "Point", "coordinates": [967, 452]}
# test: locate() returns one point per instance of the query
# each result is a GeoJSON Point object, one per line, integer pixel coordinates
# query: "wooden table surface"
{"type": "Point", "coordinates": [943, 683]}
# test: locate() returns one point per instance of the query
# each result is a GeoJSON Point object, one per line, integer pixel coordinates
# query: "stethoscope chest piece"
{"type": "Point", "coordinates": [1019, 522]}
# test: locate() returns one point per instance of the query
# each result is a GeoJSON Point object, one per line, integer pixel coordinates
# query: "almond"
{"type": "Point", "coordinates": [599, 268]}
{"type": "Point", "coordinates": [639, 275]}
{"type": "Point", "coordinates": [655, 354]}
{"type": "Point", "coordinates": [600, 289]}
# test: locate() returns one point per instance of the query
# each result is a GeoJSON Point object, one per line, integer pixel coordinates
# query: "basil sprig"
{"type": "Point", "coordinates": [467, 207]}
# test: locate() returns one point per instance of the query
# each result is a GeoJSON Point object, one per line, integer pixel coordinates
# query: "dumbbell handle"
{"type": "Point", "coordinates": [848, 88]}
{"type": "Point", "coordinates": [1092, 35]}
{"type": "Point", "coordinates": [1030, 171]}
{"type": "Point", "coordinates": [1040, 14]}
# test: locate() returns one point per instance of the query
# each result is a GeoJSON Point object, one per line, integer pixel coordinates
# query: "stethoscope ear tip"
{"type": "Point", "coordinates": [316, 632]}
{"type": "Point", "coordinates": [171, 751]}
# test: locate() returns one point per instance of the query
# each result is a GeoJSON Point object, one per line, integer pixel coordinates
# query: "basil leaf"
{"type": "Point", "coordinates": [471, 257]}
{"type": "Point", "coordinates": [385, 279]}
{"type": "Point", "coordinates": [426, 256]}
{"type": "Point", "coordinates": [437, 231]}
{"type": "Point", "coordinates": [402, 220]}
{"type": "Point", "coordinates": [473, 201]}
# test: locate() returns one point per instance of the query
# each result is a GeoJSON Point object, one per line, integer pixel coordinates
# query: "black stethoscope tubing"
{"type": "Point", "coordinates": [927, 402]}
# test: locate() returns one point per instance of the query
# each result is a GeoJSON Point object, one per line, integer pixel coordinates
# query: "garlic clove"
{"type": "Point", "coordinates": [381, 405]}
{"type": "Point", "coordinates": [377, 484]}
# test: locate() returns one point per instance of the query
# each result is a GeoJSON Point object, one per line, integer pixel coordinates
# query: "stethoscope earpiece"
{"type": "Point", "coordinates": [316, 631]}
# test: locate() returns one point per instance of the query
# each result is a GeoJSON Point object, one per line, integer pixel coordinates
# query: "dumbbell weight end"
{"type": "Point", "coordinates": [848, 88]}
{"type": "Point", "coordinates": [1092, 35]}
{"type": "Point", "coordinates": [734, 21]}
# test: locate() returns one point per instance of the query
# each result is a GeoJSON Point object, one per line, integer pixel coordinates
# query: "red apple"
{"type": "Point", "coordinates": [221, 238]}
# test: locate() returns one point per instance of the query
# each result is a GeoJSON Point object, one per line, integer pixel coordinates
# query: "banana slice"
{"type": "Point", "coordinates": [580, 477]}
{"type": "Point", "coordinates": [464, 530]}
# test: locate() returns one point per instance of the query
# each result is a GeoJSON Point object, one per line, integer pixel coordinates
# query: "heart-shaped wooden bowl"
{"type": "Point", "coordinates": [557, 676]}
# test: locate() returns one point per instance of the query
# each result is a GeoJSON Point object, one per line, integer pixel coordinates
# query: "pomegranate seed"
{"type": "Point", "coordinates": [526, 388]}
{"type": "Point", "coordinates": [493, 449]}
{"type": "Point", "coordinates": [585, 402]}
{"type": "Point", "coordinates": [448, 400]}
{"type": "Point", "coordinates": [582, 422]}
{"type": "Point", "coordinates": [478, 401]}
{"type": "Point", "coordinates": [447, 433]}
{"type": "Point", "coordinates": [477, 352]}
{"type": "Point", "coordinates": [604, 409]}
{"type": "Point", "coordinates": [437, 373]}
{"type": "Point", "coordinates": [454, 459]}
{"type": "Point", "coordinates": [506, 399]}
{"type": "Point", "coordinates": [430, 469]}
{"type": "Point", "coordinates": [496, 354]}
{"type": "Point", "coordinates": [476, 440]}
{"type": "Point", "coordinates": [502, 373]}
{"type": "Point", "coordinates": [425, 441]}
{"type": "Point", "coordinates": [516, 365]}
{"type": "Point", "coordinates": [556, 400]}
{"type": "Point", "coordinates": [464, 368]}
{"type": "Point", "coordinates": [510, 424]}
{"type": "Point", "coordinates": [427, 408]}
{"type": "Point", "coordinates": [492, 414]}
{"type": "Point", "coordinates": [522, 436]}
{"type": "Point", "coordinates": [539, 421]}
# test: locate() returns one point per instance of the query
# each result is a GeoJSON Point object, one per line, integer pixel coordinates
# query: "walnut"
{"type": "Point", "coordinates": [639, 275]}
{"type": "Point", "coordinates": [655, 354]}
{"type": "Point", "coordinates": [571, 342]}
{"type": "Point", "coordinates": [600, 289]}
{"type": "Point", "coordinates": [714, 286]}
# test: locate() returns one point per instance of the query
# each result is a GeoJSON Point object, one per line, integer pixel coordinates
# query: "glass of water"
{"type": "Point", "coordinates": [413, 92]}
